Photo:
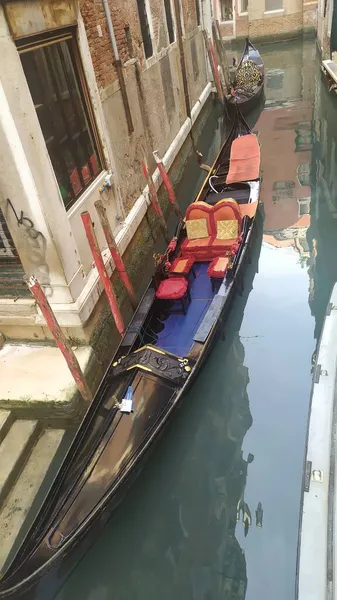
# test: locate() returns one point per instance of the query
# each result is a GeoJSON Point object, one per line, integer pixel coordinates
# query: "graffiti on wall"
{"type": "Point", "coordinates": [34, 246]}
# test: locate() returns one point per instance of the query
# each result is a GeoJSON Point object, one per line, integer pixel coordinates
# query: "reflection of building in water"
{"type": "Point", "coordinates": [322, 234]}
{"type": "Point", "coordinates": [286, 144]}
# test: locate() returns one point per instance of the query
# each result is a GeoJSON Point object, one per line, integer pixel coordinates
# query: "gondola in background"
{"type": "Point", "coordinates": [248, 85]}
{"type": "Point", "coordinates": [160, 355]}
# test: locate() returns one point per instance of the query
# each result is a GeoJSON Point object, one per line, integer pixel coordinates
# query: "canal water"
{"type": "Point", "coordinates": [214, 515]}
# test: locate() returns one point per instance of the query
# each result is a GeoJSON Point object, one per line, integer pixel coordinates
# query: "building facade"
{"type": "Point", "coordinates": [265, 19]}
{"type": "Point", "coordinates": [327, 27]}
{"type": "Point", "coordinates": [88, 91]}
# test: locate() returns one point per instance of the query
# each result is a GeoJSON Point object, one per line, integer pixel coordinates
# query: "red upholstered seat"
{"type": "Point", "coordinates": [244, 162]}
{"type": "Point", "coordinates": [173, 288]}
{"type": "Point", "coordinates": [204, 249]}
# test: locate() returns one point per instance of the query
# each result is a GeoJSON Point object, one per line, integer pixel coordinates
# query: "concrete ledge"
{"type": "Point", "coordinates": [36, 382]}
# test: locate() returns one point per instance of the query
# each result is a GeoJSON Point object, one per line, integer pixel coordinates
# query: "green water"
{"type": "Point", "coordinates": [214, 515]}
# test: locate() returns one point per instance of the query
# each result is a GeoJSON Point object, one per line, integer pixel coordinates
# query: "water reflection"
{"type": "Point", "coordinates": [322, 233]}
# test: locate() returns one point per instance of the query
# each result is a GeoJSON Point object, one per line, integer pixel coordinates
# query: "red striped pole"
{"type": "Point", "coordinates": [155, 203]}
{"type": "Point", "coordinates": [168, 185]}
{"type": "Point", "coordinates": [104, 277]}
{"type": "Point", "coordinates": [60, 338]}
{"type": "Point", "coordinates": [109, 236]}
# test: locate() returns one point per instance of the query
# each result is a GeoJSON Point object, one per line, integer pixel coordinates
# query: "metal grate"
{"type": "Point", "coordinates": [12, 284]}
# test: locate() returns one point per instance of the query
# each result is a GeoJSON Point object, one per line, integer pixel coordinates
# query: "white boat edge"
{"type": "Point", "coordinates": [316, 556]}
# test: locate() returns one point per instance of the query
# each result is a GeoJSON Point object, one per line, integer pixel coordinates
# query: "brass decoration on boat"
{"type": "Point", "coordinates": [248, 76]}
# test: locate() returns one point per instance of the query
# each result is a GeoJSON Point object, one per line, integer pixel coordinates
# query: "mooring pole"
{"type": "Point", "coordinates": [168, 185]}
{"type": "Point", "coordinates": [119, 263]}
{"type": "Point", "coordinates": [214, 66]}
{"type": "Point", "coordinates": [155, 202]}
{"type": "Point", "coordinates": [60, 338]}
{"type": "Point", "coordinates": [103, 274]}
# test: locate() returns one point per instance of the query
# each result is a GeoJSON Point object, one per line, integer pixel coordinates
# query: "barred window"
{"type": "Point", "coordinates": [145, 28]}
{"type": "Point", "coordinates": [56, 82]}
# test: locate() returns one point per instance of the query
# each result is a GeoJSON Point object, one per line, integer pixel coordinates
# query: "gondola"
{"type": "Point", "coordinates": [160, 355]}
{"type": "Point", "coordinates": [245, 99]}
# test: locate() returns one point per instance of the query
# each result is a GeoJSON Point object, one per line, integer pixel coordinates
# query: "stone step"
{"type": "Point", "coordinates": [6, 419]}
{"type": "Point", "coordinates": [24, 500]}
{"type": "Point", "coordinates": [14, 451]}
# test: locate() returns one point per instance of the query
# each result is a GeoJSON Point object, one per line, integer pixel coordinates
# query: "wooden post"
{"type": "Point", "coordinates": [214, 66]}
{"type": "Point", "coordinates": [119, 263]}
{"type": "Point", "coordinates": [222, 54]}
{"type": "Point", "coordinates": [60, 339]}
{"type": "Point", "coordinates": [104, 277]}
{"type": "Point", "coordinates": [168, 185]}
{"type": "Point", "coordinates": [155, 203]}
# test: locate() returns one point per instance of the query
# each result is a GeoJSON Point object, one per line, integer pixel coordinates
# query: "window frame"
{"type": "Point", "coordinates": [273, 10]}
{"type": "Point", "coordinates": [243, 11]}
{"type": "Point", "coordinates": [223, 20]}
{"type": "Point", "coordinates": [69, 34]}
{"type": "Point", "coordinates": [169, 9]}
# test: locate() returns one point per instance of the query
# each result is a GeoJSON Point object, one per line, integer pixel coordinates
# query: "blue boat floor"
{"type": "Point", "coordinates": [179, 329]}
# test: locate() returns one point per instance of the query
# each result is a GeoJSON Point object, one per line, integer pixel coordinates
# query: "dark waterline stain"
{"type": "Point", "coordinates": [214, 515]}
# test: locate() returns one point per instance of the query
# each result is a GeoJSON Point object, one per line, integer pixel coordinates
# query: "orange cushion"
{"type": "Point", "coordinates": [182, 265]}
{"type": "Point", "coordinates": [193, 244]}
{"type": "Point", "coordinates": [218, 267]}
{"type": "Point", "coordinates": [216, 243]}
{"type": "Point", "coordinates": [244, 159]}
{"type": "Point", "coordinates": [196, 229]}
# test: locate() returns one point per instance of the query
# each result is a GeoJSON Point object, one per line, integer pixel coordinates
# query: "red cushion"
{"type": "Point", "coordinates": [173, 288]}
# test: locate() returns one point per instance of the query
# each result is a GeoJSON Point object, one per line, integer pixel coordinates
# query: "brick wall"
{"type": "Point", "coordinates": [123, 14]}
{"type": "Point", "coordinates": [189, 14]}
{"type": "Point", "coordinates": [271, 26]}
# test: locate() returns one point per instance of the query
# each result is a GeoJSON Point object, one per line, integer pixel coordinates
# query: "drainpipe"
{"type": "Point", "coordinates": [118, 65]}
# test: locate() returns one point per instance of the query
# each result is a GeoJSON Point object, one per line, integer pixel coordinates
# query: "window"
{"type": "Point", "coordinates": [145, 28]}
{"type": "Point", "coordinates": [197, 8]}
{"type": "Point", "coordinates": [244, 6]}
{"type": "Point", "coordinates": [55, 79]}
{"type": "Point", "coordinates": [226, 10]}
{"type": "Point", "coordinates": [303, 206]}
{"type": "Point", "coordinates": [274, 5]}
{"type": "Point", "coordinates": [169, 20]}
